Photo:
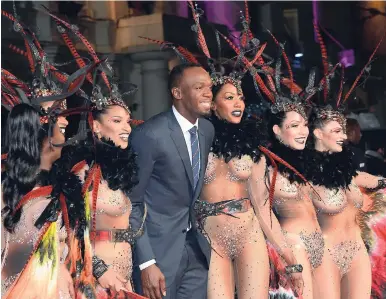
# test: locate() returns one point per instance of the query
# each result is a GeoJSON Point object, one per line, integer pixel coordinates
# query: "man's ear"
{"type": "Point", "coordinates": [176, 92]}
{"type": "Point", "coordinates": [213, 106]}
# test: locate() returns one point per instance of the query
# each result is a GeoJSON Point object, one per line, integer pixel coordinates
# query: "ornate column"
{"type": "Point", "coordinates": [155, 97]}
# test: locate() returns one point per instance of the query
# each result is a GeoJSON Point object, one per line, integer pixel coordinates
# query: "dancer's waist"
{"type": "Point", "coordinates": [114, 235]}
{"type": "Point", "coordinates": [204, 209]}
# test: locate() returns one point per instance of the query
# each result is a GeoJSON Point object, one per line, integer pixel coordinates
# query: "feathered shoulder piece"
{"type": "Point", "coordinates": [236, 140]}
{"type": "Point", "coordinates": [118, 166]}
{"type": "Point", "coordinates": [332, 170]}
{"type": "Point", "coordinates": [293, 157]}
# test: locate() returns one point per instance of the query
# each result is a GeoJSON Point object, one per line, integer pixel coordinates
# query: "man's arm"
{"type": "Point", "coordinates": [152, 280]}
{"type": "Point", "coordinates": [143, 144]}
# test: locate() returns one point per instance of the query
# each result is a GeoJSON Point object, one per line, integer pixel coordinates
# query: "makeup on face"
{"type": "Point", "coordinates": [229, 104]}
{"type": "Point", "coordinates": [294, 130]}
{"type": "Point", "coordinates": [333, 136]}
{"type": "Point", "coordinates": [115, 125]}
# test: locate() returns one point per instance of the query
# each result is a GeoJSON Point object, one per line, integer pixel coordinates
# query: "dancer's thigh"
{"type": "Point", "coordinates": [220, 278]}
{"type": "Point", "coordinates": [252, 268]}
{"type": "Point", "coordinates": [356, 284]}
{"type": "Point", "coordinates": [326, 279]}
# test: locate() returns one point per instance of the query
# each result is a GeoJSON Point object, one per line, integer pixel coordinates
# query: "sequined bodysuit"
{"type": "Point", "coordinates": [297, 218]}
{"type": "Point", "coordinates": [113, 211]}
{"type": "Point", "coordinates": [337, 217]}
{"type": "Point", "coordinates": [225, 186]}
{"type": "Point", "coordinates": [226, 217]}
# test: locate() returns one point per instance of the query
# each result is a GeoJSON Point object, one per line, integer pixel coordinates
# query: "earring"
{"type": "Point", "coordinates": [279, 138]}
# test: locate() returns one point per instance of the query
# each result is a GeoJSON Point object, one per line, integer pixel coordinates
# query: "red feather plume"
{"type": "Point", "coordinates": [185, 52]}
{"type": "Point", "coordinates": [201, 38]}
{"type": "Point", "coordinates": [323, 51]}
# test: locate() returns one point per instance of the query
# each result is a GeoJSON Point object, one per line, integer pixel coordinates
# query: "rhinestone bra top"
{"type": "Point", "coordinates": [111, 203]}
{"type": "Point", "coordinates": [236, 169]}
{"type": "Point", "coordinates": [285, 191]}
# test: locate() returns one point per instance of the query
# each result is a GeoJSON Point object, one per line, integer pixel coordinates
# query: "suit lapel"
{"type": "Point", "coordinates": [179, 141]}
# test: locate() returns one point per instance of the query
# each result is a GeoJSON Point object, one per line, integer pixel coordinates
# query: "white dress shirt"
{"type": "Point", "coordinates": [185, 127]}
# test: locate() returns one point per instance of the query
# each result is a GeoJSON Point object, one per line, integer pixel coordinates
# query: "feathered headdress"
{"type": "Point", "coordinates": [101, 96]}
{"type": "Point", "coordinates": [48, 84]}
{"type": "Point", "coordinates": [216, 66]}
{"type": "Point", "coordinates": [291, 98]}
{"type": "Point", "coordinates": [217, 76]}
{"type": "Point", "coordinates": [334, 104]}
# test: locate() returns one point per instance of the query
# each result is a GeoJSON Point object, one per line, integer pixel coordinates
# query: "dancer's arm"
{"type": "Point", "coordinates": [259, 195]}
{"type": "Point", "coordinates": [369, 181]}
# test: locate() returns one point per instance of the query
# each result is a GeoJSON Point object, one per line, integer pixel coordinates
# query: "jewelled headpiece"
{"type": "Point", "coordinates": [332, 109]}
{"type": "Point", "coordinates": [328, 113]}
{"type": "Point", "coordinates": [100, 101]}
{"type": "Point", "coordinates": [284, 104]}
{"type": "Point", "coordinates": [219, 80]}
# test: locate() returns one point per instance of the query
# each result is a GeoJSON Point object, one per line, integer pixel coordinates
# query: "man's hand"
{"type": "Point", "coordinates": [153, 282]}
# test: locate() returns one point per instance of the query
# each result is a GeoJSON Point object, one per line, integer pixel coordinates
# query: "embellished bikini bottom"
{"type": "Point", "coordinates": [343, 254]}
{"type": "Point", "coordinates": [228, 235]}
{"type": "Point", "coordinates": [313, 245]}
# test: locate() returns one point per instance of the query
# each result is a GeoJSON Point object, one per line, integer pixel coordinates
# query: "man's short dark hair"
{"type": "Point", "coordinates": [177, 73]}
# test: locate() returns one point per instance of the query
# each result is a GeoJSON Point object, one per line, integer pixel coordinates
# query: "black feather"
{"type": "Point", "coordinates": [237, 140]}
{"type": "Point", "coordinates": [335, 170]}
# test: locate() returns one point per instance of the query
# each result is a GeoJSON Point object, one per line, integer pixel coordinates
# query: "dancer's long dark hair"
{"type": "Point", "coordinates": [23, 143]}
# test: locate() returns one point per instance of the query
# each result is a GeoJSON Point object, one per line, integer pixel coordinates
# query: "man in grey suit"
{"type": "Point", "coordinates": [172, 255]}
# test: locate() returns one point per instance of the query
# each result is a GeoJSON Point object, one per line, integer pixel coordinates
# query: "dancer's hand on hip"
{"type": "Point", "coordinates": [153, 282]}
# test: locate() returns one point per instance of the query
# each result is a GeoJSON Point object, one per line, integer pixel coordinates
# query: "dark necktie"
{"type": "Point", "coordinates": [195, 155]}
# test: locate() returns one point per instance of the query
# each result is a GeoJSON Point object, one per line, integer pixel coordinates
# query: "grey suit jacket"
{"type": "Point", "coordinates": [166, 186]}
